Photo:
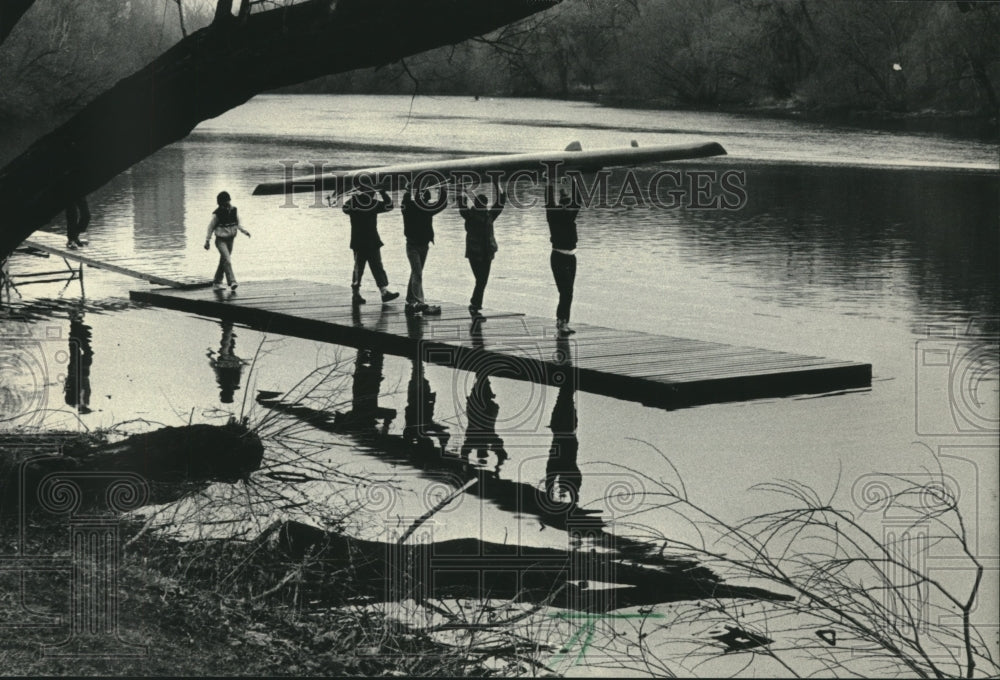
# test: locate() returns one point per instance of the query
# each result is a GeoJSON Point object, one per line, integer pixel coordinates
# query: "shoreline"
{"type": "Point", "coordinates": [963, 124]}
{"type": "Point", "coordinates": [966, 125]}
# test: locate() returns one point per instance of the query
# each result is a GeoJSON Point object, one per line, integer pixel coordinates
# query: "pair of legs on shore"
{"type": "Point", "coordinates": [77, 221]}
{"type": "Point", "coordinates": [416, 253]}
{"type": "Point", "coordinates": [373, 259]}
{"type": "Point", "coordinates": [225, 248]}
{"type": "Point", "coordinates": [564, 272]}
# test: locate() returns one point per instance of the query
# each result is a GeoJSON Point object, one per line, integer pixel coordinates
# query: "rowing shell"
{"type": "Point", "coordinates": [499, 167]}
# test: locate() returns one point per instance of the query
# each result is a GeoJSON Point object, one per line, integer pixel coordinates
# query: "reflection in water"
{"type": "Point", "coordinates": [419, 412]}
{"type": "Point", "coordinates": [476, 332]}
{"type": "Point", "coordinates": [562, 473]}
{"type": "Point", "coordinates": [420, 399]}
{"type": "Point", "coordinates": [861, 233]}
{"type": "Point", "coordinates": [482, 410]}
{"type": "Point", "coordinates": [423, 443]}
{"type": "Point", "coordinates": [365, 412]}
{"type": "Point", "coordinates": [631, 572]}
{"type": "Point", "coordinates": [81, 356]}
{"type": "Point", "coordinates": [228, 367]}
{"type": "Point", "coordinates": [158, 194]}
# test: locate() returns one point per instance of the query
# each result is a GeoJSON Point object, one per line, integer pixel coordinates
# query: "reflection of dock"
{"type": "Point", "coordinates": [93, 256]}
{"type": "Point", "coordinates": [651, 369]}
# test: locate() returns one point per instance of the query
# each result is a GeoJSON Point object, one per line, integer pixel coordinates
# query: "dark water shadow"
{"type": "Point", "coordinates": [583, 580]}
{"type": "Point", "coordinates": [862, 234]}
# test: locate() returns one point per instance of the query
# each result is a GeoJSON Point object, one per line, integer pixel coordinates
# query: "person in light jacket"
{"type": "Point", "coordinates": [224, 225]}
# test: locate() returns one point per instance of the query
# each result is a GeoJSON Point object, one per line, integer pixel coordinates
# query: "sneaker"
{"type": "Point", "coordinates": [356, 299]}
{"type": "Point", "coordinates": [82, 242]}
{"type": "Point", "coordinates": [72, 245]}
{"type": "Point", "coordinates": [233, 286]}
{"type": "Point", "coordinates": [412, 309]}
{"type": "Point", "coordinates": [431, 310]}
{"type": "Point", "coordinates": [218, 285]}
{"type": "Point", "coordinates": [389, 296]}
{"type": "Point", "coordinates": [563, 328]}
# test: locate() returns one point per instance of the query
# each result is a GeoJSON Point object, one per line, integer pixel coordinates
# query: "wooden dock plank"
{"type": "Point", "coordinates": [54, 244]}
{"type": "Point", "coordinates": [664, 371]}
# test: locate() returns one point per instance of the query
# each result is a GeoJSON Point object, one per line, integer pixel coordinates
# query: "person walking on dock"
{"type": "Point", "coordinates": [225, 224]}
{"type": "Point", "coordinates": [77, 221]}
{"type": "Point", "coordinates": [364, 209]}
{"type": "Point", "coordinates": [480, 240]}
{"type": "Point", "coordinates": [561, 214]}
{"type": "Point", "coordinates": [418, 227]}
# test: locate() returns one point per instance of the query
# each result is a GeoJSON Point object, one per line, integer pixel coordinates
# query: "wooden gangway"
{"type": "Point", "coordinates": [93, 255]}
{"type": "Point", "coordinates": [656, 370]}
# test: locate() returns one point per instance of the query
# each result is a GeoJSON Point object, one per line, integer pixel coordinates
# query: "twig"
{"type": "Point", "coordinates": [427, 515]}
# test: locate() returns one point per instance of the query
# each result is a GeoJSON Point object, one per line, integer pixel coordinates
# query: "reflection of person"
{"type": "Point", "coordinates": [365, 389]}
{"type": "Point", "coordinates": [225, 224]}
{"type": "Point", "coordinates": [419, 413]}
{"type": "Point", "coordinates": [562, 473]}
{"type": "Point", "coordinates": [228, 367]}
{"type": "Point", "coordinates": [480, 240]}
{"type": "Point", "coordinates": [561, 216]}
{"type": "Point", "coordinates": [418, 227]}
{"type": "Point", "coordinates": [81, 356]}
{"type": "Point", "coordinates": [77, 221]}
{"type": "Point", "coordinates": [364, 209]}
{"type": "Point", "coordinates": [482, 412]}
{"type": "Point", "coordinates": [366, 385]}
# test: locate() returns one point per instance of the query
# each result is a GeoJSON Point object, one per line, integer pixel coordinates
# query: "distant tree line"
{"type": "Point", "coordinates": [824, 55]}
{"type": "Point", "coordinates": [832, 55]}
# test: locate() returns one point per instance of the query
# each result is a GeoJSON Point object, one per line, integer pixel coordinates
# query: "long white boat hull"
{"type": "Point", "coordinates": [485, 168]}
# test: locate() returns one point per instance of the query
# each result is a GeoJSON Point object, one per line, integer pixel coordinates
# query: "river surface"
{"type": "Point", "coordinates": [868, 246]}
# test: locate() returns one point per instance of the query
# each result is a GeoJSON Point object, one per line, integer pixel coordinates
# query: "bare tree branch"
{"type": "Point", "coordinates": [180, 16]}
{"type": "Point", "coordinates": [218, 68]}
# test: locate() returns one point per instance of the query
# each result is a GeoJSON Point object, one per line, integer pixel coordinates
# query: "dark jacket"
{"type": "Point", "coordinates": [225, 220]}
{"type": "Point", "coordinates": [480, 240]}
{"type": "Point", "coordinates": [418, 222]}
{"type": "Point", "coordinates": [364, 222]}
{"type": "Point", "coordinates": [561, 219]}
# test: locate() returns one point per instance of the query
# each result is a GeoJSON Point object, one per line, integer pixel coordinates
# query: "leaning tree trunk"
{"type": "Point", "coordinates": [218, 68]}
{"type": "Point", "coordinates": [10, 14]}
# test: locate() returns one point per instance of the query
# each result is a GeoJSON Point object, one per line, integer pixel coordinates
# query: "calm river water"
{"type": "Point", "coordinates": [866, 246]}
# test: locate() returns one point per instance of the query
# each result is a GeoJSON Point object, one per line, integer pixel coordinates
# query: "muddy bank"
{"type": "Point", "coordinates": [71, 471]}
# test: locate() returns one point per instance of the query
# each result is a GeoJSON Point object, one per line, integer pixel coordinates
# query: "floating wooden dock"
{"type": "Point", "coordinates": [94, 256]}
{"type": "Point", "coordinates": [656, 370]}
